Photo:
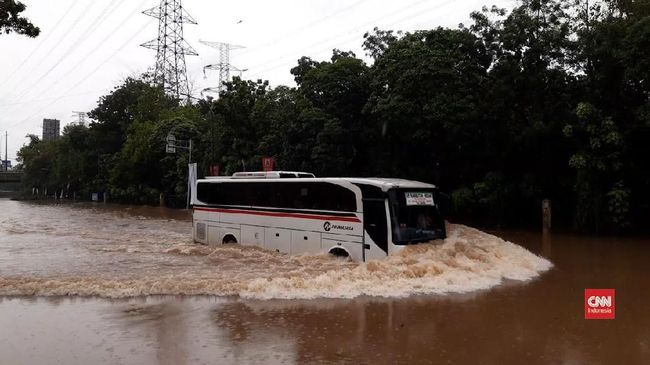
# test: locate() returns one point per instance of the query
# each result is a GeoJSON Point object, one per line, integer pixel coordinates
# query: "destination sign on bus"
{"type": "Point", "coordinates": [416, 198]}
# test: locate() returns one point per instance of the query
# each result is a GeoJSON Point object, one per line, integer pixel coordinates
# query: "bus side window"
{"type": "Point", "coordinates": [303, 199]}
{"type": "Point", "coordinates": [208, 193]}
{"type": "Point", "coordinates": [240, 194]}
{"type": "Point", "coordinates": [275, 195]}
{"type": "Point", "coordinates": [259, 194]}
{"type": "Point", "coordinates": [333, 197]}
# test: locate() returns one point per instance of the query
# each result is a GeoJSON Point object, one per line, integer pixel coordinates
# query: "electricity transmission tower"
{"type": "Point", "coordinates": [171, 47]}
{"type": "Point", "coordinates": [81, 117]}
{"type": "Point", "coordinates": [223, 66]}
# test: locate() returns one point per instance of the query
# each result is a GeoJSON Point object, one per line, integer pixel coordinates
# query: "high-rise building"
{"type": "Point", "coordinates": [51, 128]}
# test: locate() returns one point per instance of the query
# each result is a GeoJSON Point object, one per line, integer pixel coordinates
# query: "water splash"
{"type": "Point", "coordinates": [99, 253]}
{"type": "Point", "coordinates": [468, 260]}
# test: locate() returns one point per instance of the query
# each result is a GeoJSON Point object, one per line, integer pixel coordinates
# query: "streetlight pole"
{"type": "Point", "coordinates": [189, 157]}
{"type": "Point", "coordinates": [172, 145]}
{"type": "Point", "coordinates": [6, 162]}
{"type": "Point", "coordinates": [189, 182]}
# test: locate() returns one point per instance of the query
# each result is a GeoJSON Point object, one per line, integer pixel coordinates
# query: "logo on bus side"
{"type": "Point", "coordinates": [327, 226]}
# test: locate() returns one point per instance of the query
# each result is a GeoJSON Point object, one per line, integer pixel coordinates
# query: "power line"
{"type": "Point", "coordinates": [106, 12]}
{"type": "Point", "coordinates": [46, 99]}
{"type": "Point", "coordinates": [43, 41]}
{"type": "Point", "coordinates": [56, 44]}
{"type": "Point", "coordinates": [283, 61]}
{"type": "Point", "coordinates": [346, 35]}
{"type": "Point", "coordinates": [299, 30]}
{"type": "Point", "coordinates": [412, 5]}
{"type": "Point", "coordinates": [99, 45]}
{"type": "Point", "coordinates": [86, 77]}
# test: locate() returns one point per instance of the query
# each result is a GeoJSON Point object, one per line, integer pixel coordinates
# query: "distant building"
{"type": "Point", "coordinates": [51, 129]}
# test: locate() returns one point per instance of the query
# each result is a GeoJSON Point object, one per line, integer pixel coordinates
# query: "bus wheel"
{"type": "Point", "coordinates": [339, 252]}
{"type": "Point", "coordinates": [229, 239]}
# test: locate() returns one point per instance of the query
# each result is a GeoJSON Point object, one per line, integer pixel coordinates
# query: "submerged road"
{"type": "Point", "coordinates": [107, 284]}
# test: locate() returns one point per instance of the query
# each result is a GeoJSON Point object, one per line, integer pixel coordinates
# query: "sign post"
{"type": "Point", "coordinates": [171, 144]}
{"type": "Point", "coordinates": [170, 147]}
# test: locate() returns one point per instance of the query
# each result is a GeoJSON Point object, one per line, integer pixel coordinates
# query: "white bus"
{"type": "Point", "coordinates": [291, 212]}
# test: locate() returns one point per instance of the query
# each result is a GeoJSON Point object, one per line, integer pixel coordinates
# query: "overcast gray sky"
{"type": "Point", "coordinates": [87, 47]}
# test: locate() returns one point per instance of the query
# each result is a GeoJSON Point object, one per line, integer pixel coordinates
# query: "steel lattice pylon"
{"type": "Point", "coordinates": [223, 66]}
{"type": "Point", "coordinates": [171, 48]}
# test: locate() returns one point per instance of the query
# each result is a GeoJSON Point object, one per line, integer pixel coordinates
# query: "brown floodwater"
{"type": "Point", "coordinates": [106, 284]}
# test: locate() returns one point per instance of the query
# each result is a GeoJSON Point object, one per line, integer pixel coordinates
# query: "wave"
{"type": "Point", "coordinates": [468, 260]}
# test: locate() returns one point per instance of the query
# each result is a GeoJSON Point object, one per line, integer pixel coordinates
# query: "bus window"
{"type": "Point", "coordinates": [286, 195]}
{"type": "Point", "coordinates": [326, 196]}
{"type": "Point", "coordinates": [224, 194]}
{"type": "Point", "coordinates": [415, 216]}
{"type": "Point", "coordinates": [311, 195]}
{"type": "Point", "coordinates": [206, 192]}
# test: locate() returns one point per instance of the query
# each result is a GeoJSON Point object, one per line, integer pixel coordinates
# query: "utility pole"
{"type": "Point", "coordinates": [6, 162]}
{"type": "Point", "coordinates": [170, 46]}
{"type": "Point", "coordinates": [170, 147]}
{"type": "Point", "coordinates": [223, 65]}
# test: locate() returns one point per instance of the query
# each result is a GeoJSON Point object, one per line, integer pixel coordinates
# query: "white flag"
{"type": "Point", "coordinates": [191, 182]}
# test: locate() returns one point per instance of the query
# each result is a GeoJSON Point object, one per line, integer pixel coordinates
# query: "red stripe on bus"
{"type": "Point", "coordinates": [286, 215]}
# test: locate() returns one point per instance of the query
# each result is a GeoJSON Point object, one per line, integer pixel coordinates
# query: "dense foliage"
{"type": "Point", "coordinates": [11, 21]}
{"type": "Point", "coordinates": [549, 100]}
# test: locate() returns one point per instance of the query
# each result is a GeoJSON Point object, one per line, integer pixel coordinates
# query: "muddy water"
{"type": "Point", "coordinates": [115, 252]}
{"type": "Point", "coordinates": [473, 299]}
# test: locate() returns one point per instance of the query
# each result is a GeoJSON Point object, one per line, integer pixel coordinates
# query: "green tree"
{"type": "Point", "coordinates": [236, 134]}
{"type": "Point", "coordinates": [597, 161]}
{"type": "Point", "coordinates": [133, 100]}
{"type": "Point", "coordinates": [35, 160]}
{"type": "Point", "coordinates": [11, 21]}
{"type": "Point", "coordinates": [334, 95]}
{"type": "Point", "coordinates": [612, 48]}
{"type": "Point", "coordinates": [288, 137]}
{"type": "Point", "coordinates": [547, 100]}
{"type": "Point", "coordinates": [424, 106]}
{"type": "Point", "coordinates": [70, 168]}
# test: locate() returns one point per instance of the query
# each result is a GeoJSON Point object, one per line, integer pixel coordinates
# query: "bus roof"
{"type": "Point", "coordinates": [265, 175]}
{"type": "Point", "coordinates": [384, 183]}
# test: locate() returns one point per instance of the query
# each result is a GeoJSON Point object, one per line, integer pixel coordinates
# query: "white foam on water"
{"type": "Point", "coordinates": [468, 260]}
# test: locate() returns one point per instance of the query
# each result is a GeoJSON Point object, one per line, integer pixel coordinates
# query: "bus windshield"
{"type": "Point", "coordinates": [415, 216]}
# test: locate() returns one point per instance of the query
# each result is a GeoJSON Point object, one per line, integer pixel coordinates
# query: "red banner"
{"type": "Point", "coordinates": [268, 163]}
{"type": "Point", "coordinates": [214, 170]}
